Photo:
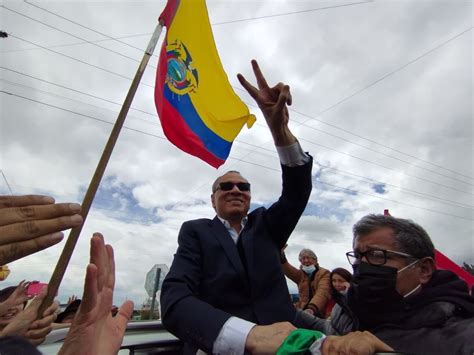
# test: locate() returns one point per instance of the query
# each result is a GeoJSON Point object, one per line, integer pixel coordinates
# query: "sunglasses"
{"type": "Point", "coordinates": [227, 186]}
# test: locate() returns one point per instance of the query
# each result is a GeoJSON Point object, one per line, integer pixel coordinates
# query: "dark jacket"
{"type": "Point", "coordinates": [438, 320]}
{"type": "Point", "coordinates": [207, 283]}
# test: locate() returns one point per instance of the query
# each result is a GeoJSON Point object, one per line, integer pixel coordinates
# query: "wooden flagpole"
{"type": "Point", "coordinates": [66, 254]}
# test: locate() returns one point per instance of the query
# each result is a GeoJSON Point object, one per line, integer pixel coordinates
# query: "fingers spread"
{"type": "Point", "coordinates": [89, 297]}
{"type": "Point", "coordinates": [25, 213]}
{"type": "Point", "coordinates": [252, 90]}
{"type": "Point", "coordinates": [99, 258]}
{"type": "Point", "coordinates": [111, 266]}
{"type": "Point", "coordinates": [261, 82]}
{"type": "Point", "coordinates": [25, 200]}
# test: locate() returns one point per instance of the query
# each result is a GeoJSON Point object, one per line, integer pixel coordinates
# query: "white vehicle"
{"type": "Point", "coordinates": [143, 337]}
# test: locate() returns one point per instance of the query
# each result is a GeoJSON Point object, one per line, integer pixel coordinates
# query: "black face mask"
{"type": "Point", "coordinates": [373, 296]}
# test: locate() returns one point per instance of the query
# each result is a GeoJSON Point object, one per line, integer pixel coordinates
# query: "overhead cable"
{"type": "Point", "coordinates": [248, 162]}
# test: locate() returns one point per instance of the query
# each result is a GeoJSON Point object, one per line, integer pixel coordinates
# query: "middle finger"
{"type": "Point", "coordinates": [261, 82]}
{"type": "Point", "coordinates": [27, 213]}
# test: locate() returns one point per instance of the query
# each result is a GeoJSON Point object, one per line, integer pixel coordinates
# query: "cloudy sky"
{"type": "Point", "coordinates": [382, 98]}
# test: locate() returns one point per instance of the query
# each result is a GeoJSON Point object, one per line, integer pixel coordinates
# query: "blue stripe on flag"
{"type": "Point", "coordinates": [183, 104]}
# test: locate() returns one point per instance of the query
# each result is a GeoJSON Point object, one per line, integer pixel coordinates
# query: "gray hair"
{"type": "Point", "coordinates": [216, 182]}
{"type": "Point", "coordinates": [307, 252]}
{"type": "Point", "coordinates": [410, 238]}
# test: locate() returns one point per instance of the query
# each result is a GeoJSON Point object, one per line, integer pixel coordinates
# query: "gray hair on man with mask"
{"type": "Point", "coordinates": [410, 237]}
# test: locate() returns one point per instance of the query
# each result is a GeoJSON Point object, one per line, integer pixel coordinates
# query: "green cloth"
{"type": "Point", "coordinates": [299, 342]}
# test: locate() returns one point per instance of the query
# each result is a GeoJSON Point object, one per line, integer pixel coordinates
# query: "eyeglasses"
{"type": "Point", "coordinates": [228, 185]}
{"type": "Point", "coordinates": [374, 256]}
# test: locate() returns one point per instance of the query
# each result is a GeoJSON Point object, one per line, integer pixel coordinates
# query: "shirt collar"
{"type": "Point", "coordinates": [227, 224]}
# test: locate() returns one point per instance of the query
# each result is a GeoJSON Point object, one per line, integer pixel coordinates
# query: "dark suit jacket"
{"type": "Point", "coordinates": [207, 284]}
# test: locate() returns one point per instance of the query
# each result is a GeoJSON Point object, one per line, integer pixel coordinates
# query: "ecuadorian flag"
{"type": "Point", "coordinates": [198, 109]}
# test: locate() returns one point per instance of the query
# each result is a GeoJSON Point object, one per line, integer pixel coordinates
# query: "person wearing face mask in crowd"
{"type": "Point", "coordinates": [313, 283]}
{"type": "Point", "coordinates": [398, 295]}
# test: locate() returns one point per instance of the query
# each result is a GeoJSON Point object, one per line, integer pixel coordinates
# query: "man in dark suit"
{"type": "Point", "coordinates": [225, 291]}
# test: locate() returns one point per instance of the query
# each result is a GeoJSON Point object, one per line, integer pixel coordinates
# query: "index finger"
{"type": "Point", "coordinates": [252, 90]}
{"type": "Point", "coordinates": [24, 200]}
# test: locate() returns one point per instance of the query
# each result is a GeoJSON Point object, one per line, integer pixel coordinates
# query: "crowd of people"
{"type": "Point", "coordinates": [226, 291]}
{"type": "Point", "coordinates": [29, 224]}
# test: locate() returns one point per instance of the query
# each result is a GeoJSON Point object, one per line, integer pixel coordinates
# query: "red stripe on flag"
{"type": "Point", "coordinates": [444, 263]}
{"type": "Point", "coordinates": [174, 127]}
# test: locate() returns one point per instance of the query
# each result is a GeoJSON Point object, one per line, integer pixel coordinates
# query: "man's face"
{"type": "Point", "coordinates": [231, 205]}
{"type": "Point", "coordinates": [307, 260]}
{"type": "Point", "coordinates": [384, 239]}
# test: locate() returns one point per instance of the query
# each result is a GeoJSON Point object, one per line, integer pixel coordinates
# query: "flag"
{"type": "Point", "coordinates": [444, 263]}
{"type": "Point", "coordinates": [198, 109]}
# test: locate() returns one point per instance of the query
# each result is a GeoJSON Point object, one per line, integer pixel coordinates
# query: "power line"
{"type": "Point", "coordinates": [380, 165]}
{"type": "Point", "coordinates": [427, 180]}
{"type": "Point", "coordinates": [330, 107]}
{"type": "Point", "coordinates": [213, 24]}
{"type": "Point", "coordinates": [364, 193]}
{"type": "Point", "coordinates": [376, 82]}
{"type": "Point", "coordinates": [289, 13]}
{"type": "Point", "coordinates": [73, 35]}
{"type": "Point", "coordinates": [78, 60]}
{"type": "Point", "coordinates": [79, 114]}
{"type": "Point", "coordinates": [360, 178]}
{"type": "Point", "coordinates": [6, 182]}
{"type": "Point", "coordinates": [86, 27]}
{"type": "Point", "coordinates": [386, 167]}
{"type": "Point", "coordinates": [74, 100]}
{"type": "Point", "coordinates": [242, 160]}
{"type": "Point", "coordinates": [77, 91]}
{"type": "Point", "coordinates": [376, 151]}
{"type": "Point", "coordinates": [432, 197]}
{"type": "Point", "coordinates": [310, 117]}
{"type": "Point", "coordinates": [398, 202]}
{"type": "Point", "coordinates": [67, 45]}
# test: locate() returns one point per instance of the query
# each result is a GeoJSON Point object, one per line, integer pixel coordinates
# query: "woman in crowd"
{"type": "Point", "coordinates": [340, 282]}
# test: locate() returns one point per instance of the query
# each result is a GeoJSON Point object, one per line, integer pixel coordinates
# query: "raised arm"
{"type": "Point", "coordinates": [289, 270]}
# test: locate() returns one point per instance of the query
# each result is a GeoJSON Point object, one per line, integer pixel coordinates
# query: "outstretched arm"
{"type": "Point", "coordinates": [26, 325]}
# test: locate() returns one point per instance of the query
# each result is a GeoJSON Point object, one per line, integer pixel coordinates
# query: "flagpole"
{"type": "Point", "coordinates": [66, 254]}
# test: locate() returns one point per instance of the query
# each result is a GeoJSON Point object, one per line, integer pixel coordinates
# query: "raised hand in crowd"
{"type": "Point", "coordinates": [26, 325]}
{"type": "Point", "coordinates": [94, 330]}
{"type": "Point", "coordinates": [18, 297]}
{"type": "Point", "coordinates": [272, 102]}
{"type": "Point", "coordinates": [71, 299]}
{"type": "Point", "coordinates": [31, 223]}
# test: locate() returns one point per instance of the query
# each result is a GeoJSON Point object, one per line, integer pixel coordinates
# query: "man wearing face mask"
{"type": "Point", "coordinates": [313, 283]}
{"type": "Point", "coordinates": [398, 295]}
